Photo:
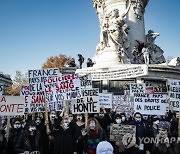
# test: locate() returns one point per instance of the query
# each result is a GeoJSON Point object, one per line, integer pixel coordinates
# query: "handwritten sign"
{"type": "Point", "coordinates": [137, 88]}
{"type": "Point", "coordinates": [118, 132]}
{"type": "Point", "coordinates": [151, 104]}
{"type": "Point", "coordinates": [34, 101]}
{"type": "Point", "coordinates": [105, 100]}
{"type": "Point", "coordinates": [11, 105]}
{"type": "Point", "coordinates": [37, 77]}
{"type": "Point", "coordinates": [86, 81]}
{"type": "Point", "coordinates": [89, 103]}
{"type": "Point", "coordinates": [174, 94]}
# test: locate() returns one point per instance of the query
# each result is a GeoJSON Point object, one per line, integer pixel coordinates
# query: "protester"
{"type": "Point", "coordinates": [64, 138]}
{"type": "Point", "coordinates": [16, 141]}
{"type": "Point", "coordinates": [163, 145]}
{"type": "Point", "coordinates": [79, 126]}
{"type": "Point", "coordinates": [92, 136]}
{"type": "Point", "coordinates": [141, 132]}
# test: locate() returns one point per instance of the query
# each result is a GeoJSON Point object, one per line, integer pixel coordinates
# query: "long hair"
{"type": "Point", "coordinates": [97, 127]}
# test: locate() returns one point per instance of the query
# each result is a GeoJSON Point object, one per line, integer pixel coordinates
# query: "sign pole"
{"type": "Point", "coordinates": [46, 115]}
{"type": "Point", "coordinates": [179, 126]}
{"type": "Point", "coordinates": [8, 126]}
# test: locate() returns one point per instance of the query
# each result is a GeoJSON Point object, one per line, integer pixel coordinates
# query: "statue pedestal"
{"type": "Point", "coordinates": [106, 59]}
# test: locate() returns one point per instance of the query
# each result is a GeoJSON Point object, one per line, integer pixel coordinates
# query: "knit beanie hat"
{"type": "Point", "coordinates": [104, 147]}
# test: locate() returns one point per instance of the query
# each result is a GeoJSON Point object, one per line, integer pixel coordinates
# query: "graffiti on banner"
{"type": "Point", "coordinates": [86, 81]}
{"type": "Point", "coordinates": [34, 101]}
{"type": "Point", "coordinates": [11, 105]}
{"type": "Point", "coordinates": [151, 104]}
{"type": "Point", "coordinates": [105, 100]}
{"type": "Point", "coordinates": [174, 94]}
{"type": "Point", "coordinates": [37, 77]}
{"type": "Point", "coordinates": [89, 103]}
{"type": "Point", "coordinates": [65, 87]}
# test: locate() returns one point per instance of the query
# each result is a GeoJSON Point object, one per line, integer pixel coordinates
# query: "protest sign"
{"type": "Point", "coordinates": [105, 100]}
{"type": "Point", "coordinates": [174, 94]}
{"type": "Point", "coordinates": [11, 105]}
{"type": "Point", "coordinates": [123, 103]}
{"type": "Point", "coordinates": [1, 89]}
{"type": "Point", "coordinates": [65, 87]}
{"type": "Point", "coordinates": [119, 132]}
{"type": "Point", "coordinates": [123, 72]}
{"type": "Point", "coordinates": [150, 104]}
{"type": "Point", "coordinates": [137, 88]}
{"type": "Point", "coordinates": [86, 81]}
{"type": "Point", "coordinates": [34, 101]}
{"type": "Point", "coordinates": [37, 77]}
{"type": "Point", "coordinates": [89, 103]}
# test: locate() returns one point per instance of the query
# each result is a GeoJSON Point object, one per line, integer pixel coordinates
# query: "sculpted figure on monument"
{"type": "Point", "coordinates": [150, 37]}
{"type": "Point", "coordinates": [89, 62]}
{"type": "Point", "coordinates": [117, 30]}
{"type": "Point", "coordinates": [80, 60]}
{"type": "Point", "coordinates": [138, 9]}
{"type": "Point", "coordinates": [146, 54]}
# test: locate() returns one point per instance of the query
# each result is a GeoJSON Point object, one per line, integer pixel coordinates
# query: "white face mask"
{"type": "Point", "coordinates": [138, 119]}
{"type": "Point", "coordinates": [17, 126]}
{"type": "Point", "coordinates": [70, 119]}
{"type": "Point", "coordinates": [32, 129]}
{"type": "Point", "coordinates": [118, 121]}
{"type": "Point", "coordinates": [66, 125]}
{"type": "Point", "coordinates": [123, 118]}
{"type": "Point", "coordinates": [38, 122]}
{"type": "Point", "coordinates": [79, 118]}
{"type": "Point", "coordinates": [92, 126]}
{"type": "Point", "coordinates": [52, 116]}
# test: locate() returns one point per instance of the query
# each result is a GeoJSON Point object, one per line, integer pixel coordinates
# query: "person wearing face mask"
{"type": "Point", "coordinates": [92, 135]}
{"type": "Point", "coordinates": [16, 140]}
{"type": "Point", "coordinates": [64, 138]}
{"type": "Point", "coordinates": [141, 132]}
{"type": "Point", "coordinates": [163, 145]}
{"type": "Point", "coordinates": [32, 138]}
{"type": "Point", "coordinates": [124, 119]}
{"type": "Point", "coordinates": [104, 120]}
{"type": "Point", "coordinates": [3, 141]}
{"type": "Point", "coordinates": [79, 126]}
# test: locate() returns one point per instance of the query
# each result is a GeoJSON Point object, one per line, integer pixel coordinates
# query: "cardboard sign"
{"type": "Point", "coordinates": [65, 87]}
{"type": "Point", "coordinates": [119, 132]}
{"type": "Point", "coordinates": [137, 88]}
{"type": "Point", "coordinates": [86, 81]}
{"type": "Point", "coordinates": [34, 101]}
{"type": "Point", "coordinates": [89, 103]}
{"type": "Point", "coordinates": [11, 105]}
{"type": "Point", "coordinates": [37, 77]}
{"type": "Point", "coordinates": [105, 100]}
{"type": "Point", "coordinates": [150, 104]}
{"type": "Point", "coordinates": [174, 94]}
{"type": "Point", "coordinates": [1, 89]}
{"type": "Point", "coordinates": [123, 72]}
{"type": "Point", "coordinates": [123, 103]}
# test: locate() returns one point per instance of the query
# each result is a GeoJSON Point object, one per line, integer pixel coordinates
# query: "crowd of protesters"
{"type": "Point", "coordinates": [70, 134]}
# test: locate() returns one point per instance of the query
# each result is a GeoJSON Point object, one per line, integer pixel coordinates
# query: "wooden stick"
{"type": "Point", "coordinates": [8, 126]}
{"type": "Point", "coordinates": [179, 126]}
{"type": "Point", "coordinates": [86, 119]}
{"type": "Point", "coordinates": [46, 115]}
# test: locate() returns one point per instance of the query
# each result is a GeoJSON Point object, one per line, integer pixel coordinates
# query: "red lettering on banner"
{"type": "Point", "coordinates": [19, 109]}
{"type": "Point", "coordinates": [37, 99]}
{"type": "Point", "coordinates": [11, 108]}
{"type": "Point", "coordinates": [3, 99]}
